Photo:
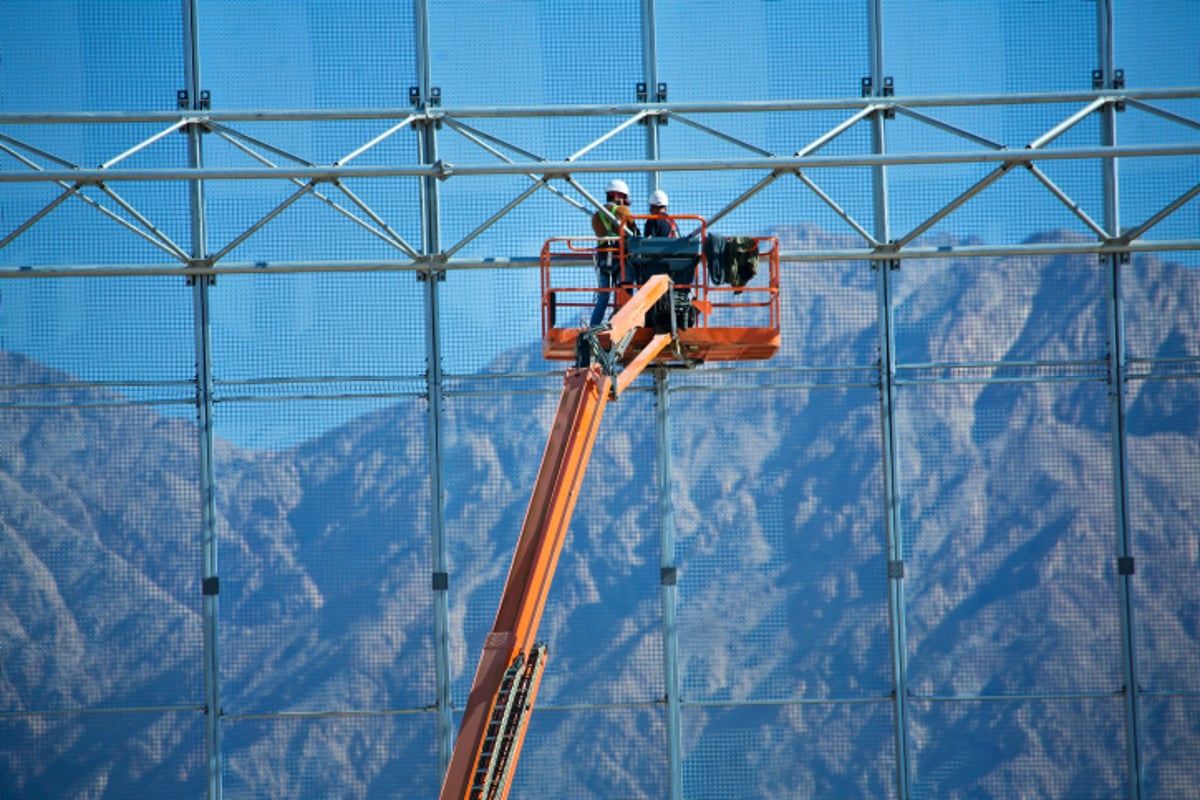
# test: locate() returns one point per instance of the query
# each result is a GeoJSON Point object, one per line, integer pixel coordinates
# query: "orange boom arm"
{"type": "Point", "coordinates": [510, 669]}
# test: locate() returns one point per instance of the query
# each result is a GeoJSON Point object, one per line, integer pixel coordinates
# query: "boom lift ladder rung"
{"type": "Point", "coordinates": [510, 715]}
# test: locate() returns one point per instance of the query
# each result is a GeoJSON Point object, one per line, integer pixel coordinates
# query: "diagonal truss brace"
{"type": "Point", "coordinates": [147, 231]}
{"type": "Point", "coordinates": [1002, 170]}
{"type": "Point", "coordinates": [478, 138]}
{"type": "Point", "coordinates": [767, 180]}
{"type": "Point", "coordinates": [73, 180]}
{"type": "Point", "coordinates": [377, 226]}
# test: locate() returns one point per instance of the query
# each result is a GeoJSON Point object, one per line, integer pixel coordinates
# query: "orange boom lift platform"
{"type": "Point", "coordinates": [666, 313]}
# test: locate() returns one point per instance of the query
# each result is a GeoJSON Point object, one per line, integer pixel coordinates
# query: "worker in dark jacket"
{"type": "Point", "coordinates": [610, 224]}
{"type": "Point", "coordinates": [660, 224]}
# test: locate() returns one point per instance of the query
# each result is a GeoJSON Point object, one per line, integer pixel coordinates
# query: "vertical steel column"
{"type": "Point", "coordinates": [667, 580]}
{"type": "Point", "coordinates": [887, 421]}
{"type": "Point", "coordinates": [210, 584]}
{"type": "Point", "coordinates": [1116, 395]}
{"type": "Point", "coordinates": [662, 445]}
{"type": "Point", "coordinates": [431, 244]}
{"type": "Point", "coordinates": [650, 75]}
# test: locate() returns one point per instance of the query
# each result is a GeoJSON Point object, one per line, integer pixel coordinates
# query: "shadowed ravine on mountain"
{"type": "Point", "coordinates": [1006, 506]}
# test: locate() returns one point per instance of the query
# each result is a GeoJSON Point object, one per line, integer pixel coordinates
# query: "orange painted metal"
{"type": "Point", "coordinates": [697, 344]}
{"type": "Point", "coordinates": [585, 394]}
{"type": "Point", "coordinates": [642, 360]}
{"type": "Point", "coordinates": [733, 324]}
{"type": "Point", "coordinates": [632, 314]}
{"type": "Point", "coordinates": [573, 433]}
{"type": "Point", "coordinates": [555, 490]}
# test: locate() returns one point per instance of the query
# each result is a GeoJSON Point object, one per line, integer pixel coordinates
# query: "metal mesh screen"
{"type": "Point", "coordinates": [1024, 745]}
{"type": "Point", "coordinates": [304, 756]}
{"type": "Point", "coordinates": [352, 54]}
{"type": "Point", "coordinates": [577, 55]}
{"type": "Point", "coordinates": [1171, 749]}
{"type": "Point", "coordinates": [984, 47]}
{"type": "Point", "coordinates": [805, 572]}
{"type": "Point", "coordinates": [140, 73]}
{"type": "Point", "coordinates": [84, 461]}
{"type": "Point", "coordinates": [313, 547]}
{"type": "Point", "coordinates": [1143, 31]}
{"type": "Point", "coordinates": [759, 51]}
{"type": "Point", "coordinates": [755, 751]}
{"type": "Point", "coordinates": [603, 624]}
{"type": "Point", "coordinates": [273, 398]}
{"type": "Point", "coordinates": [98, 502]}
{"type": "Point", "coordinates": [482, 496]}
{"type": "Point", "coordinates": [1018, 556]}
{"type": "Point", "coordinates": [628, 761]}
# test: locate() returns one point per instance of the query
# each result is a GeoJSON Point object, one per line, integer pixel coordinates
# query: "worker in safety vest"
{"type": "Point", "coordinates": [610, 223]}
{"type": "Point", "coordinates": [661, 224]}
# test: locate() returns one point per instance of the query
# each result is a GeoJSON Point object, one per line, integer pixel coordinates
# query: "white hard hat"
{"type": "Point", "coordinates": [658, 198]}
{"type": "Point", "coordinates": [617, 186]}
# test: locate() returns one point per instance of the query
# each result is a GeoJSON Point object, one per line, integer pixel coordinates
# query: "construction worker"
{"type": "Point", "coordinates": [661, 224]}
{"type": "Point", "coordinates": [610, 223]}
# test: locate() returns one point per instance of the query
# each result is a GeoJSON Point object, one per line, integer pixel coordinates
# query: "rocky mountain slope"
{"type": "Point", "coordinates": [1010, 588]}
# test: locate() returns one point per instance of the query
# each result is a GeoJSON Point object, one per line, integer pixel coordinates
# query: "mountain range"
{"type": "Point", "coordinates": [1007, 508]}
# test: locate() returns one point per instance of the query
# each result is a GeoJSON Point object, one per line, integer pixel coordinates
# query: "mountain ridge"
{"type": "Point", "coordinates": [1006, 505]}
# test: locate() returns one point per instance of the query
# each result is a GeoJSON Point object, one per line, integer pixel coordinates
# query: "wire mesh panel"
{"type": "Point", "coordinates": [328, 537]}
{"type": "Point", "coordinates": [991, 47]}
{"type": "Point", "coordinates": [98, 538]}
{"type": "Point", "coordinates": [1063, 747]}
{"type": "Point", "coordinates": [1011, 582]}
{"type": "Point", "coordinates": [1162, 395]}
{"type": "Point", "coordinates": [1161, 297]}
{"type": "Point", "coordinates": [1144, 31]}
{"type": "Point", "coordinates": [121, 753]}
{"type": "Point", "coordinates": [313, 54]}
{"type": "Point", "coordinates": [363, 758]}
{"type": "Point", "coordinates": [781, 549]}
{"type": "Point", "coordinates": [362, 326]}
{"type": "Point", "coordinates": [760, 50]}
{"type": "Point", "coordinates": [828, 312]}
{"type": "Point", "coordinates": [489, 322]}
{"type": "Point", "coordinates": [1165, 476]}
{"type": "Point", "coordinates": [793, 751]}
{"type": "Point", "coordinates": [1043, 314]}
{"type": "Point", "coordinates": [592, 754]}
{"type": "Point", "coordinates": [356, 340]}
{"type": "Point", "coordinates": [1170, 745]}
{"type": "Point", "coordinates": [491, 447]}
{"type": "Point", "coordinates": [537, 53]}
{"type": "Point", "coordinates": [603, 620]}
{"type": "Point", "coordinates": [142, 73]}
{"type": "Point", "coordinates": [100, 597]}
{"type": "Point", "coordinates": [129, 340]}
{"type": "Point", "coordinates": [99, 524]}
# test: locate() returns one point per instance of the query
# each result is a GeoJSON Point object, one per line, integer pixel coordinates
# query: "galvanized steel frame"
{"type": "Point", "coordinates": [308, 177]}
{"type": "Point", "coordinates": [430, 260]}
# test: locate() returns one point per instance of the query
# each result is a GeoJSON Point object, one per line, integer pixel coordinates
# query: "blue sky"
{"type": "Point", "coordinates": [103, 55]}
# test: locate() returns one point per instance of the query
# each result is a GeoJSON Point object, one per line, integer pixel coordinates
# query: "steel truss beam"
{"type": "Point", "coordinates": [508, 158]}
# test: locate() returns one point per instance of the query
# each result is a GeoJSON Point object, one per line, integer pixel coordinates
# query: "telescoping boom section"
{"type": "Point", "coordinates": [669, 295]}
{"type": "Point", "coordinates": [509, 671]}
